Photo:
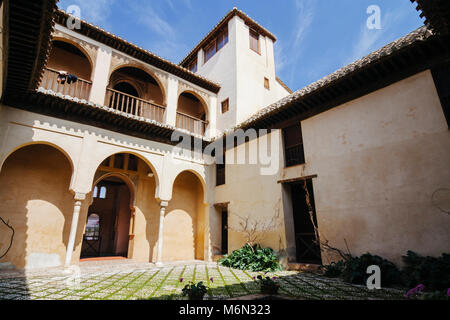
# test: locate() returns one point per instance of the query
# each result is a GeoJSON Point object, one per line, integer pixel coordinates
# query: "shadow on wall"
{"type": "Point", "coordinates": [35, 199]}
{"type": "Point", "coordinates": [184, 220]}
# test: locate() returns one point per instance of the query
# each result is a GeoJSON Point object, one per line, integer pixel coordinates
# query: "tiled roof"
{"type": "Point", "coordinates": [234, 12]}
{"type": "Point", "coordinates": [96, 33]}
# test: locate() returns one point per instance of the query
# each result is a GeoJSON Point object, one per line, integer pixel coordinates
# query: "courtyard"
{"type": "Point", "coordinates": [127, 280]}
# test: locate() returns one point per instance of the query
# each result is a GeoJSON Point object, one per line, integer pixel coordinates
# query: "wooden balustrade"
{"type": "Point", "coordinates": [191, 123]}
{"type": "Point", "coordinates": [79, 89]}
{"type": "Point", "coordinates": [134, 105]}
{"type": "Point", "coordinates": [121, 101]}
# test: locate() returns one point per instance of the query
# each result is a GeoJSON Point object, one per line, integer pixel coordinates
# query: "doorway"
{"type": "Point", "coordinates": [307, 246]}
{"type": "Point", "coordinates": [108, 220]}
{"type": "Point", "coordinates": [224, 231]}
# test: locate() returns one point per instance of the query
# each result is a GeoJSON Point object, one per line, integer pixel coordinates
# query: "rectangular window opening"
{"type": "Point", "coordinates": [254, 41]}
{"type": "Point", "coordinates": [293, 146]}
{"type": "Point", "coordinates": [225, 105]}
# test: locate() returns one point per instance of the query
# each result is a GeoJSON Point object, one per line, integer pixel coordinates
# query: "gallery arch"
{"type": "Point", "coordinates": [34, 189]}
{"type": "Point", "coordinates": [184, 221]}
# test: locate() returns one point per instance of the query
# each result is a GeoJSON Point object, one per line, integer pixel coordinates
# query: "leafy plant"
{"type": "Point", "coordinates": [252, 258]}
{"type": "Point", "coordinates": [333, 270]}
{"type": "Point", "coordinates": [194, 291]}
{"type": "Point", "coordinates": [268, 285]}
{"type": "Point", "coordinates": [354, 270]}
{"type": "Point", "coordinates": [433, 273]}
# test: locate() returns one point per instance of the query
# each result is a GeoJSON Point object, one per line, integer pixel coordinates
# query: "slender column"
{"type": "Point", "coordinates": [79, 197]}
{"type": "Point", "coordinates": [162, 212]}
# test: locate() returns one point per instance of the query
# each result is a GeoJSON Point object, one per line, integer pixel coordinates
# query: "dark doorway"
{"type": "Point", "coordinates": [308, 249]}
{"type": "Point", "coordinates": [224, 231]}
{"type": "Point", "coordinates": [108, 222]}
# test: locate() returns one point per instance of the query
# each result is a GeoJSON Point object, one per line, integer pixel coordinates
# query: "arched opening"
{"type": "Point", "coordinates": [68, 71]}
{"type": "Point", "coordinates": [108, 220]}
{"type": "Point", "coordinates": [191, 113]}
{"type": "Point", "coordinates": [123, 199]}
{"type": "Point", "coordinates": [35, 199]}
{"type": "Point", "coordinates": [134, 91]}
{"type": "Point", "coordinates": [184, 223]}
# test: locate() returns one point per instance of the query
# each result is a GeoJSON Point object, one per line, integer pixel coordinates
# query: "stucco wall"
{"type": "Point", "coordinates": [378, 160]}
{"type": "Point", "coordinates": [183, 232]}
{"type": "Point", "coordinates": [35, 199]}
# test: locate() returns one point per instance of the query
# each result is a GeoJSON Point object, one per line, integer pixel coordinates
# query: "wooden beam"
{"type": "Point", "coordinates": [299, 179]}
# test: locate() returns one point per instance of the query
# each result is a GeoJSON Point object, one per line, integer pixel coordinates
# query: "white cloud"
{"type": "Point", "coordinates": [304, 17]}
{"type": "Point", "coordinates": [153, 21]}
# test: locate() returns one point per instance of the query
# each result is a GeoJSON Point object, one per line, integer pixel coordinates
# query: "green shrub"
{"type": "Point", "coordinates": [253, 259]}
{"type": "Point", "coordinates": [333, 270]}
{"type": "Point", "coordinates": [354, 270]}
{"type": "Point", "coordinates": [433, 273]}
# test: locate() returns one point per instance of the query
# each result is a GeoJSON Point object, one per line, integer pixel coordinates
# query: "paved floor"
{"type": "Point", "coordinates": [125, 280]}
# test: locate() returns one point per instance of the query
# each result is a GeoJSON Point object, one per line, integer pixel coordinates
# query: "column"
{"type": "Point", "coordinates": [79, 197]}
{"type": "Point", "coordinates": [162, 212]}
{"type": "Point", "coordinates": [172, 101]}
{"type": "Point", "coordinates": [100, 77]}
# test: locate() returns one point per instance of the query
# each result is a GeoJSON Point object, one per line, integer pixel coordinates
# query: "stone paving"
{"type": "Point", "coordinates": [116, 280]}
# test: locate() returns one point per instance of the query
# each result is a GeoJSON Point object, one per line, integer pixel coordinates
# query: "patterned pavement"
{"type": "Point", "coordinates": [116, 280]}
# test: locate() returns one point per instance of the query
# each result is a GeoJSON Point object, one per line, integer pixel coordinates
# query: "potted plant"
{"type": "Point", "coordinates": [268, 285]}
{"type": "Point", "coordinates": [194, 291]}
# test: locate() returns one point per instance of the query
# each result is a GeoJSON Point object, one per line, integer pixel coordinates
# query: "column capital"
{"type": "Point", "coordinates": [79, 196]}
{"type": "Point", "coordinates": [164, 203]}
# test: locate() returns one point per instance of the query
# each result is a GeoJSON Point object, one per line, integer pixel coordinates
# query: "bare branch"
{"type": "Point", "coordinates": [12, 237]}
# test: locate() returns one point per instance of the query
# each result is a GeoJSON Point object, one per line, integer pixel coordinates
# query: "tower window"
{"type": "Point", "coordinates": [216, 44]}
{"type": "Point", "coordinates": [254, 41]}
{"type": "Point", "coordinates": [225, 105]}
{"type": "Point", "coordinates": [266, 84]}
{"type": "Point", "coordinates": [193, 66]}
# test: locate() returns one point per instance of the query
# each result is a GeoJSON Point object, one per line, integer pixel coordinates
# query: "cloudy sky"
{"type": "Point", "coordinates": [315, 37]}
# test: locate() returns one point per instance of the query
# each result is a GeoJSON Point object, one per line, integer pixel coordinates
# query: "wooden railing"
{"type": "Point", "coordinates": [80, 89]}
{"type": "Point", "coordinates": [190, 123]}
{"type": "Point", "coordinates": [134, 105]}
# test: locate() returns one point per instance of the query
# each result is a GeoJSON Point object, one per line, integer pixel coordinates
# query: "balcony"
{"type": "Point", "coordinates": [133, 105]}
{"type": "Point", "coordinates": [132, 90]}
{"type": "Point", "coordinates": [79, 89]}
{"type": "Point", "coordinates": [191, 113]}
{"type": "Point", "coordinates": [191, 124]}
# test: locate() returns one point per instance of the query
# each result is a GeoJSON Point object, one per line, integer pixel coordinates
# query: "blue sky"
{"type": "Point", "coordinates": [314, 37]}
